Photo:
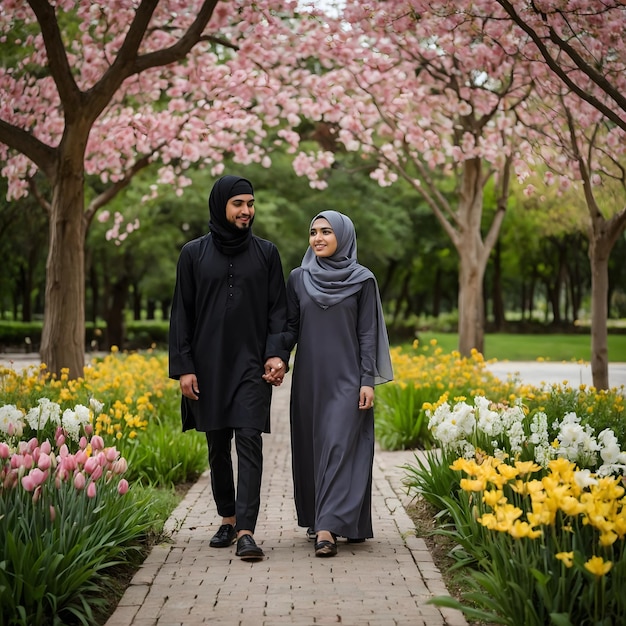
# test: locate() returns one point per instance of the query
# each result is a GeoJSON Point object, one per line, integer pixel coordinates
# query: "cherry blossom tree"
{"type": "Point", "coordinates": [97, 91]}
{"type": "Point", "coordinates": [429, 90]}
{"type": "Point", "coordinates": [423, 95]}
{"type": "Point", "coordinates": [577, 125]}
{"type": "Point", "coordinates": [582, 42]}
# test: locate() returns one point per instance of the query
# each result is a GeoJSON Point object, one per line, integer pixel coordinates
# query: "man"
{"type": "Point", "coordinates": [228, 311]}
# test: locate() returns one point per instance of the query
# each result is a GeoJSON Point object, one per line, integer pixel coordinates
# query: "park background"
{"type": "Point", "coordinates": [479, 151]}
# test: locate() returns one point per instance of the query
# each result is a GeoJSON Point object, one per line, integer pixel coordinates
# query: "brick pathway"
{"type": "Point", "coordinates": [385, 581]}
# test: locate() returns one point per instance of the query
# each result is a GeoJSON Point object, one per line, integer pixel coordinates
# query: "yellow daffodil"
{"type": "Point", "coordinates": [567, 558]}
{"type": "Point", "coordinates": [598, 566]}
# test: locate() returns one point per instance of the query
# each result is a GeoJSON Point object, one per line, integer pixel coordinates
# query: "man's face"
{"type": "Point", "coordinates": [240, 210]}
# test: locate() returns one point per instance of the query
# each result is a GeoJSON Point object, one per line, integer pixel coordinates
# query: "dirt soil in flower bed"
{"type": "Point", "coordinates": [423, 515]}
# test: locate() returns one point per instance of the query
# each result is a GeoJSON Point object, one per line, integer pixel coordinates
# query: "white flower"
{"type": "Point", "coordinates": [584, 478]}
{"type": "Point", "coordinates": [82, 414]}
{"type": "Point", "coordinates": [71, 424]}
{"type": "Point", "coordinates": [96, 405]}
{"type": "Point", "coordinates": [48, 411]}
{"type": "Point", "coordinates": [11, 420]}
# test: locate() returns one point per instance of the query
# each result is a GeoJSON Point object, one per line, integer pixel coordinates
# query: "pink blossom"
{"type": "Point", "coordinates": [91, 490]}
{"type": "Point", "coordinates": [97, 443]}
{"type": "Point", "coordinates": [111, 454]}
{"type": "Point", "coordinates": [81, 457]}
{"type": "Point", "coordinates": [5, 451]}
{"type": "Point", "coordinates": [79, 481]}
{"type": "Point", "coordinates": [33, 479]}
{"type": "Point", "coordinates": [44, 462]}
{"type": "Point", "coordinates": [46, 447]}
{"type": "Point", "coordinates": [91, 464]}
{"type": "Point", "coordinates": [97, 473]}
{"type": "Point", "coordinates": [122, 487]}
{"type": "Point", "coordinates": [53, 513]}
{"type": "Point", "coordinates": [120, 466]}
{"type": "Point", "coordinates": [83, 442]}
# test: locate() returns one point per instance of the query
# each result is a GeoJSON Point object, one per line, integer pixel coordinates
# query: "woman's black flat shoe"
{"type": "Point", "coordinates": [325, 548]}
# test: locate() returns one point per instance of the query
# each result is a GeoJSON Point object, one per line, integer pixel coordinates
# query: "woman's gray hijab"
{"type": "Point", "coordinates": [329, 280]}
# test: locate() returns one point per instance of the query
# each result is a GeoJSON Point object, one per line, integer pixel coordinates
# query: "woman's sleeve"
{"type": "Point", "coordinates": [367, 332]}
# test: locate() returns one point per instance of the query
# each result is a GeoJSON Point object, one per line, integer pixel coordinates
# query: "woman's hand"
{"type": "Point", "coordinates": [366, 397]}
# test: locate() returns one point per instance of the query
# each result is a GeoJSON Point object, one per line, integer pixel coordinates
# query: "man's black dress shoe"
{"type": "Point", "coordinates": [224, 537]}
{"type": "Point", "coordinates": [247, 549]}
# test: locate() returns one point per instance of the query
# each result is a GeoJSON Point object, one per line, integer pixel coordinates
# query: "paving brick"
{"type": "Point", "coordinates": [385, 581]}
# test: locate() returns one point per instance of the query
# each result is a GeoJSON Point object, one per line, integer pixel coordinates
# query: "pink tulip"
{"type": "Point", "coordinates": [59, 439]}
{"type": "Point", "coordinates": [83, 442]}
{"type": "Point", "coordinates": [89, 429]}
{"type": "Point", "coordinates": [80, 481]}
{"type": "Point", "coordinates": [44, 462]}
{"type": "Point", "coordinates": [122, 487]}
{"type": "Point", "coordinates": [90, 464]}
{"type": "Point", "coordinates": [5, 451]}
{"type": "Point", "coordinates": [120, 466]}
{"type": "Point", "coordinates": [37, 494]}
{"type": "Point", "coordinates": [33, 479]}
{"type": "Point", "coordinates": [53, 513]}
{"type": "Point", "coordinates": [46, 447]}
{"type": "Point", "coordinates": [97, 443]}
{"type": "Point", "coordinates": [33, 444]}
{"type": "Point", "coordinates": [81, 457]}
{"type": "Point", "coordinates": [91, 490]}
{"type": "Point", "coordinates": [63, 450]}
{"type": "Point", "coordinates": [97, 473]}
{"type": "Point", "coordinates": [111, 454]}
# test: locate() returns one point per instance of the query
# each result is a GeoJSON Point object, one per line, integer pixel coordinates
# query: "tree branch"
{"type": "Point", "coordinates": [602, 83]}
{"type": "Point", "coordinates": [112, 191]}
{"type": "Point", "coordinates": [57, 59]}
{"type": "Point", "coordinates": [42, 155]}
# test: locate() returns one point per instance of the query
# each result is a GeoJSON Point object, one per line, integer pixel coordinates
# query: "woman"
{"type": "Point", "coordinates": [335, 317]}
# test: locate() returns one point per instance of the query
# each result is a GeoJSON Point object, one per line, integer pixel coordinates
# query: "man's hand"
{"type": "Point", "coordinates": [189, 386]}
{"type": "Point", "coordinates": [274, 371]}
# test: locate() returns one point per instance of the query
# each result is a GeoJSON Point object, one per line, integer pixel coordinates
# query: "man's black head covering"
{"type": "Point", "coordinates": [227, 237]}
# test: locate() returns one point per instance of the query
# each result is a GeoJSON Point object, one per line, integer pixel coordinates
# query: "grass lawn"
{"type": "Point", "coordinates": [507, 347]}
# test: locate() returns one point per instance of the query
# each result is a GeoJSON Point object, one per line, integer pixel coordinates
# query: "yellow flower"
{"type": "Point", "coordinates": [598, 566]}
{"type": "Point", "coordinates": [494, 497]}
{"type": "Point", "coordinates": [521, 529]}
{"type": "Point", "coordinates": [566, 557]}
{"type": "Point", "coordinates": [478, 484]}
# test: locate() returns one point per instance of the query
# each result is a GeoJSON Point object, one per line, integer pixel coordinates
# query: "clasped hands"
{"type": "Point", "coordinates": [274, 371]}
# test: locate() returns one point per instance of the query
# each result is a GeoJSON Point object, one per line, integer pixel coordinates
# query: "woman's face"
{"type": "Point", "coordinates": [322, 238]}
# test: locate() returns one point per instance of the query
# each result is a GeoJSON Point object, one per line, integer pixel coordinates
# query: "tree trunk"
{"type": "Point", "coordinates": [63, 337]}
{"type": "Point", "coordinates": [115, 313]}
{"type": "Point", "coordinates": [471, 307]}
{"type": "Point", "coordinates": [599, 259]}
{"type": "Point", "coordinates": [499, 319]}
{"type": "Point", "coordinates": [473, 256]}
